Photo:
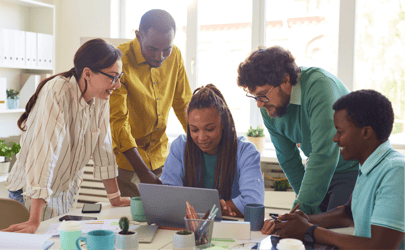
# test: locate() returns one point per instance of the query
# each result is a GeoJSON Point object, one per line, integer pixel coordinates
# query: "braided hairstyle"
{"type": "Point", "coordinates": [96, 54]}
{"type": "Point", "coordinates": [210, 97]}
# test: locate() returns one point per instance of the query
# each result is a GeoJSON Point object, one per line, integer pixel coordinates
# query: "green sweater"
{"type": "Point", "coordinates": [309, 121]}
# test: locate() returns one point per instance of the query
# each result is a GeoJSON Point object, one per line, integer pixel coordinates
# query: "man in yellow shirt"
{"type": "Point", "coordinates": [154, 80]}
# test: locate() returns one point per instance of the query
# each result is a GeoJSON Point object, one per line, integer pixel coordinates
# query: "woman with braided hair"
{"type": "Point", "coordinates": [212, 156]}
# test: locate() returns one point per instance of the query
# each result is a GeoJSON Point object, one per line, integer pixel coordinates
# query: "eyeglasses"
{"type": "Point", "coordinates": [262, 98]}
{"type": "Point", "coordinates": [114, 78]}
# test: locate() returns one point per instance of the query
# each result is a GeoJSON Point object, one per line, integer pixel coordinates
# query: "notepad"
{"type": "Point", "coordinates": [24, 241]}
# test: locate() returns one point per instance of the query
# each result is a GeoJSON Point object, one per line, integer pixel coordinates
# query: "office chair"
{"type": "Point", "coordinates": [12, 212]}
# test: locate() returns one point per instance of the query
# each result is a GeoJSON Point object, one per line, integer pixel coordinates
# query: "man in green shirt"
{"type": "Point", "coordinates": [296, 106]}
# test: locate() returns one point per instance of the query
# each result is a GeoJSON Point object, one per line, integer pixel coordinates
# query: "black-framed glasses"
{"type": "Point", "coordinates": [114, 78]}
{"type": "Point", "coordinates": [262, 98]}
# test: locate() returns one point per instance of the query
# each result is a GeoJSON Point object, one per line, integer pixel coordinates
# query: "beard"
{"type": "Point", "coordinates": [282, 109]}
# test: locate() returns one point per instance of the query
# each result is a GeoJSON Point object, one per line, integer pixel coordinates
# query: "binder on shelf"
{"type": "Point", "coordinates": [44, 50]}
{"type": "Point", "coordinates": [3, 93]}
{"type": "Point", "coordinates": [1, 47]}
{"type": "Point", "coordinates": [8, 41]}
{"type": "Point", "coordinates": [28, 86]}
{"type": "Point", "coordinates": [19, 44]}
{"type": "Point", "coordinates": [30, 49]}
{"type": "Point", "coordinates": [49, 51]}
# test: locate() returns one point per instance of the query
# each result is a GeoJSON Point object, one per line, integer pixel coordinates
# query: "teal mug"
{"type": "Point", "coordinates": [98, 239]}
{"type": "Point", "coordinates": [137, 212]}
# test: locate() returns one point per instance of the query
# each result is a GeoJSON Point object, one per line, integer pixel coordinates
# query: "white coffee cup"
{"type": "Point", "coordinates": [290, 244]}
{"type": "Point", "coordinates": [69, 231]}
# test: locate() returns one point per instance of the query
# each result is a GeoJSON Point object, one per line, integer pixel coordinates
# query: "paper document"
{"type": "Point", "coordinates": [22, 241]}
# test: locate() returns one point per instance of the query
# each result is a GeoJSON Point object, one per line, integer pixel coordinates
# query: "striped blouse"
{"type": "Point", "coordinates": [62, 133]}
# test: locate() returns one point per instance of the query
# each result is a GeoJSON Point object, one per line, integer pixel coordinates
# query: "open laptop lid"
{"type": "Point", "coordinates": [166, 205]}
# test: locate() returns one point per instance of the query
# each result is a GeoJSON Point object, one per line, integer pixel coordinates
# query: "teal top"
{"type": "Point", "coordinates": [309, 121]}
{"type": "Point", "coordinates": [209, 171]}
{"type": "Point", "coordinates": [378, 197]}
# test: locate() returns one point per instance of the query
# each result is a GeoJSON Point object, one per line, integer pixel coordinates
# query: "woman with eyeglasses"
{"type": "Point", "coordinates": [212, 156]}
{"type": "Point", "coordinates": [65, 123]}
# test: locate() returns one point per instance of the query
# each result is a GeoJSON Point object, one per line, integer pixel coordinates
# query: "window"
{"type": "Point", "coordinates": [308, 28]}
{"type": "Point", "coordinates": [380, 55]}
{"type": "Point", "coordinates": [224, 41]}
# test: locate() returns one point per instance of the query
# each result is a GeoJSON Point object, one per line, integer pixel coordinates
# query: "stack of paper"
{"type": "Point", "coordinates": [22, 241]}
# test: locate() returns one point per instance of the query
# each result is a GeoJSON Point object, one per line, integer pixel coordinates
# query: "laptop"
{"type": "Point", "coordinates": [166, 205]}
{"type": "Point", "coordinates": [145, 232]}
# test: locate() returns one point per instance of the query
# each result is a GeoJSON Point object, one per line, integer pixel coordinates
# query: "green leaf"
{"type": "Point", "coordinates": [257, 132]}
{"type": "Point", "coordinates": [7, 151]}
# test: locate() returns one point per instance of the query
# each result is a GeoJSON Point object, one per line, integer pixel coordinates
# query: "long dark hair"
{"type": "Point", "coordinates": [210, 97]}
{"type": "Point", "coordinates": [94, 54]}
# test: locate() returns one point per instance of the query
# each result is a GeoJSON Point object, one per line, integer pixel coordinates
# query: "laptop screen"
{"type": "Point", "coordinates": [166, 205]}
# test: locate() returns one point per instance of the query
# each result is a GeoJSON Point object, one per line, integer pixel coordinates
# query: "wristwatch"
{"type": "Point", "coordinates": [309, 235]}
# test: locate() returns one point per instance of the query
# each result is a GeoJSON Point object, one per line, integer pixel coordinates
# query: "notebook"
{"type": "Point", "coordinates": [166, 205]}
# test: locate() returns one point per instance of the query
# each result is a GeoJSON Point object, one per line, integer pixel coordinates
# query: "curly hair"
{"type": "Point", "coordinates": [368, 108]}
{"type": "Point", "coordinates": [225, 168]}
{"type": "Point", "coordinates": [267, 66]}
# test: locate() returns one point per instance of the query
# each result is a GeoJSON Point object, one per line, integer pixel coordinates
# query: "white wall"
{"type": "Point", "coordinates": [75, 19]}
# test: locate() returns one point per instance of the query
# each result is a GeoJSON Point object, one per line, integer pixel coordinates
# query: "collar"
{"type": "Point", "coordinates": [295, 97]}
{"type": "Point", "coordinates": [82, 103]}
{"type": "Point", "coordinates": [136, 46]}
{"type": "Point", "coordinates": [376, 157]}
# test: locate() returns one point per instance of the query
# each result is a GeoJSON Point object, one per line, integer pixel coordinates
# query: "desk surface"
{"type": "Point", "coordinates": [163, 238]}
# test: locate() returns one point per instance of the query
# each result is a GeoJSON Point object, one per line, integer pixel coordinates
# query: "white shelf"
{"type": "Point", "coordinates": [11, 111]}
{"type": "Point", "coordinates": [23, 67]}
{"type": "Point", "coordinates": [29, 3]}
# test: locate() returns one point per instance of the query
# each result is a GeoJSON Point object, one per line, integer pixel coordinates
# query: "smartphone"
{"type": "Point", "coordinates": [91, 208]}
{"type": "Point", "coordinates": [75, 217]}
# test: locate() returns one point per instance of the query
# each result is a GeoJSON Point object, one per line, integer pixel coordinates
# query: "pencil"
{"type": "Point", "coordinates": [295, 208]}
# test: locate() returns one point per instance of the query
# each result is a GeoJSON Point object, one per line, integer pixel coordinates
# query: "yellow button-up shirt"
{"type": "Point", "coordinates": [140, 107]}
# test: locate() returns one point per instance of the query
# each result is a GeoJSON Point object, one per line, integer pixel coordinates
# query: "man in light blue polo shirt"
{"type": "Point", "coordinates": [364, 121]}
{"type": "Point", "coordinates": [296, 106]}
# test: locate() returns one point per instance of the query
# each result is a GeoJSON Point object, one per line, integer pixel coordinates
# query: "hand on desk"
{"type": "Point", "coordinates": [27, 227]}
{"type": "Point", "coordinates": [226, 210]}
{"type": "Point", "coordinates": [269, 225]}
{"type": "Point", "coordinates": [121, 202]}
{"type": "Point", "coordinates": [292, 226]}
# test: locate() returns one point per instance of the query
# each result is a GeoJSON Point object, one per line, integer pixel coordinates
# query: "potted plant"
{"type": "Point", "coordinates": [12, 98]}
{"type": "Point", "coordinates": [7, 151]}
{"type": "Point", "coordinates": [183, 239]}
{"type": "Point", "coordinates": [256, 136]}
{"type": "Point", "coordinates": [281, 185]}
{"type": "Point", "coordinates": [126, 239]}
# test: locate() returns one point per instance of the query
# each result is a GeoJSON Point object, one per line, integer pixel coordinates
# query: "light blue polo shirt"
{"type": "Point", "coordinates": [378, 197]}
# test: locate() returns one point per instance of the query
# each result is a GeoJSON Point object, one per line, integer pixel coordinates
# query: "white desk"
{"type": "Point", "coordinates": [3, 177]}
{"type": "Point", "coordinates": [163, 238]}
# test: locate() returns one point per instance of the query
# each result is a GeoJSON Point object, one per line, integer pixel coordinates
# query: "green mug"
{"type": "Point", "coordinates": [137, 212]}
{"type": "Point", "coordinates": [98, 239]}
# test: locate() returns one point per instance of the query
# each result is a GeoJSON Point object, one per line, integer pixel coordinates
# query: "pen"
{"type": "Point", "coordinates": [222, 239]}
{"type": "Point", "coordinates": [275, 218]}
{"type": "Point", "coordinates": [295, 208]}
{"type": "Point", "coordinates": [95, 222]}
